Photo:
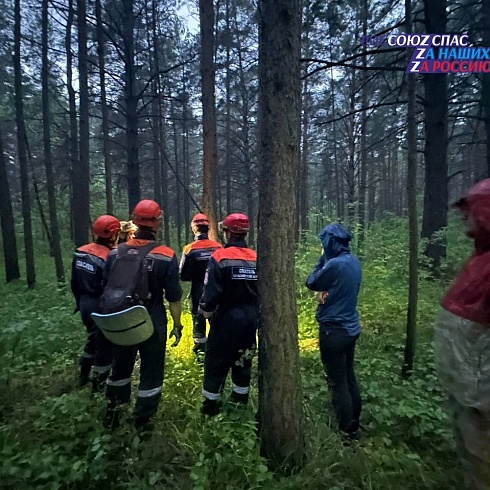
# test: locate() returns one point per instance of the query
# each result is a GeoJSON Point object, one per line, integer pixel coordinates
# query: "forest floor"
{"type": "Point", "coordinates": [51, 435]}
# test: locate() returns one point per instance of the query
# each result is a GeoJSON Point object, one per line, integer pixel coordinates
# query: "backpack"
{"type": "Point", "coordinates": [128, 283]}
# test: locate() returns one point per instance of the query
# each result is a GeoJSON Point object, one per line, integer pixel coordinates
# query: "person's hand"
{"type": "Point", "coordinates": [177, 333]}
{"type": "Point", "coordinates": [321, 296]}
{"type": "Point", "coordinates": [205, 314]}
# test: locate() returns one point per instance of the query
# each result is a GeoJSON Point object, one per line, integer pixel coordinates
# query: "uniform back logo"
{"type": "Point", "coordinates": [244, 273]}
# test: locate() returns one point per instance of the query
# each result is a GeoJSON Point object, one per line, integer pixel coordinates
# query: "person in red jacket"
{"type": "Point", "coordinates": [86, 285]}
{"type": "Point", "coordinates": [230, 301]}
{"type": "Point", "coordinates": [195, 258]}
{"type": "Point", "coordinates": [462, 343]}
{"type": "Point", "coordinates": [163, 282]}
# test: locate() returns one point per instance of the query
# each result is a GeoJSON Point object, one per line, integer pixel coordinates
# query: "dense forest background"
{"type": "Point", "coordinates": [105, 102]}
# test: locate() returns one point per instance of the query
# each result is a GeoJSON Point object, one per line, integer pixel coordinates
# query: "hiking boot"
{"type": "Point", "coordinates": [199, 348]}
{"type": "Point", "coordinates": [111, 419]}
{"type": "Point", "coordinates": [99, 382]}
{"type": "Point", "coordinates": [241, 398]}
{"type": "Point", "coordinates": [210, 407]}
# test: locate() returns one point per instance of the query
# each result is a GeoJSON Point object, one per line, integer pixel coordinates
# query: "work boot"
{"type": "Point", "coordinates": [83, 376]}
{"type": "Point", "coordinates": [99, 382]}
{"type": "Point", "coordinates": [142, 423]}
{"type": "Point", "coordinates": [241, 398]}
{"type": "Point", "coordinates": [111, 418]}
{"type": "Point", "coordinates": [210, 407]}
{"type": "Point", "coordinates": [199, 348]}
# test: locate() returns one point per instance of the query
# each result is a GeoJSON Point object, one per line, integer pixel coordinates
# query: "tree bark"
{"type": "Point", "coordinates": [206, 16]}
{"type": "Point", "coordinates": [228, 111]}
{"type": "Point", "coordinates": [48, 158]}
{"type": "Point", "coordinates": [22, 153]}
{"type": "Point", "coordinates": [81, 172]}
{"type": "Point", "coordinates": [435, 118]}
{"type": "Point", "coordinates": [72, 110]}
{"type": "Point", "coordinates": [156, 111]}
{"type": "Point", "coordinates": [280, 397]}
{"type": "Point", "coordinates": [10, 254]}
{"type": "Point", "coordinates": [131, 109]}
{"type": "Point", "coordinates": [364, 152]}
{"type": "Point", "coordinates": [104, 109]}
{"type": "Point", "coordinates": [413, 243]}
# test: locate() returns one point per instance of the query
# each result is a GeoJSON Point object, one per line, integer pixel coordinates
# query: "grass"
{"type": "Point", "coordinates": [51, 435]}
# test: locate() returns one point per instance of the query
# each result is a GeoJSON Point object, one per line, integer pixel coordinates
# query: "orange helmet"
{"type": "Point", "coordinates": [146, 213]}
{"type": "Point", "coordinates": [236, 223]}
{"type": "Point", "coordinates": [200, 219]}
{"type": "Point", "coordinates": [105, 226]}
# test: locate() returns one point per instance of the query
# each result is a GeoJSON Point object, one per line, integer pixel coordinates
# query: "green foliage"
{"type": "Point", "coordinates": [51, 435]}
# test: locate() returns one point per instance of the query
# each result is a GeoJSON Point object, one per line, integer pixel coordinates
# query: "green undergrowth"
{"type": "Point", "coordinates": [51, 436]}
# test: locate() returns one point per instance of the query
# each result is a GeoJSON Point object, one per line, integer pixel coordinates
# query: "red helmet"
{"type": "Point", "coordinates": [200, 219]}
{"type": "Point", "coordinates": [146, 213]}
{"type": "Point", "coordinates": [105, 226]}
{"type": "Point", "coordinates": [236, 223]}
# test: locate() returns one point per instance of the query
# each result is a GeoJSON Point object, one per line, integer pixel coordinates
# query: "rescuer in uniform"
{"type": "Point", "coordinates": [163, 282]}
{"type": "Point", "coordinates": [230, 301]}
{"type": "Point", "coordinates": [87, 286]}
{"type": "Point", "coordinates": [462, 343]}
{"type": "Point", "coordinates": [195, 258]}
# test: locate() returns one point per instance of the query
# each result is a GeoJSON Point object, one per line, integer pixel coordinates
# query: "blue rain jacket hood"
{"type": "Point", "coordinates": [338, 273]}
{"type": "Point", "coordinates": [335, 240]}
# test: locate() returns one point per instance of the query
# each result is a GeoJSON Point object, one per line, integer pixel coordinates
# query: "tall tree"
{"type": "Point", "coordinates": [131, 98]}
{"type": "Point", "coordinates": [22, 151]}
{"type": "Point", "coordinates": [413, 243]}
{"type": "Point", "coordinates": [436, 141]}
{"type": "Point", "coordinates": [48, 157]}
{"type": "Point", "coordinates": [280, 397]}
{"type": "Point", "coordinates": [104, 108]}
{"type": "Point", "coordinates": [10, 254]}
{"type": "Point", "coordinates": [81, 171]}
{"type": "Point", "coordinates": [72, 109]}
{"type": "Point", "coordinates": [210, 151]}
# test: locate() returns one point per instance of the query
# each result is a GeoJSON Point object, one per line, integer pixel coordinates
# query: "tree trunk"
{"type": "Point", "coordinates": [303, 173]}
{"type": "Point", "coordinates": [280, 398]}
{"type": "Point", "coordinates": [72, 109]}
{"type": "Point", "coordinates": [22, 153]}
{"type": "Point", "coordinates": [156, 112]}
{"type": "Point", "coordinates": [178, 209]}
{"type": "Point", "coordinates": [104, 109]}
{"type": "Point", "coordinates": [131, 100]}
{"type": "Point", "coordinates": [81, 172]}
{"type": "Point", "coordinates": [228, 112]}
{"type": "Point", "coordinates": [435, 118]}
{"type": "Point", "coordinates": [185, 167]}
{"type": "Point", "coordinates": [164, 169]}
{"type": "Point", "coordinates": [413, 243]}
{"type": "Point", "coordinates": [364, 152]}
{"type": "Point", "coordinates": [11, 257]}
{"type": "Point", "coordinates": [55, 244]}
{"type": "Point", "coordinates": [206, 16]}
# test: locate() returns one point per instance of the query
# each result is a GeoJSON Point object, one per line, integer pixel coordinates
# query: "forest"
{"type": "Point", "coordinates": [196, 106]}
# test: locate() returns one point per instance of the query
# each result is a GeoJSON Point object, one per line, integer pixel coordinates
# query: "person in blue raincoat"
{"type": "Point", "coordinates": [337, 279]}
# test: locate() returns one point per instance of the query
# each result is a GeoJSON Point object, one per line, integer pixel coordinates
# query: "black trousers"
{"type": "Point", "coordinates": [152, 356]}
{"type": "Point", "coordinates": [198, 328]}
{"type": "Point", "coordinates": [231, 346]}
{"type": "Point", "coordinates": [97, 352]}
{"type": "Point", "coordinates": [337, 353]}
